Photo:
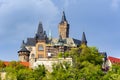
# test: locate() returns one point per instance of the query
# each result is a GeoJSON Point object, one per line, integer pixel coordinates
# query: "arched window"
{"type": "Point", "coordinates": [40, 48]}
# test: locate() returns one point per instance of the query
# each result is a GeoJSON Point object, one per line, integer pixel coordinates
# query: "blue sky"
{"type": "Point", "coordinates": [99, 19]}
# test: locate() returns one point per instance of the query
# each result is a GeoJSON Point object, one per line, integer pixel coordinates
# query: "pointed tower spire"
{"type": "Point", "coordinates": [23, 44]}
{"type": "Point", "coordinates": [63, 27]}
{"type": "Point", "coordinates": [23, 48]}
{"type": "Point", "coordinates": [63, 17]}
{"type": "Point", "coordinates": [40, 28]}
{"type": "Point", "coordinates": [84, 41]}
{"type": "Point", "coordinates": [41, 34]}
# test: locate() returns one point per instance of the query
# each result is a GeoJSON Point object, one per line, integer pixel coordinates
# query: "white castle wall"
{"type": "Point", "coordinates": [49, 62]}
{"type": "Point", "coordinates": [32, 50]}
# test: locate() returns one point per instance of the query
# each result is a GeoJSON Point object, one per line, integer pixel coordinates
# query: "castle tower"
{"type": "Point", "coordinates": [41, 42]}
{"type": "Point", "coordinates": [23, 53]}
{"type": "Point", "coordinates": [63, 27]}
{"type": "Point", "coordinates": [84, 41]}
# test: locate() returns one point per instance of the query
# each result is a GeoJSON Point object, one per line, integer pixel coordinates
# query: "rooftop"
{"type": "Point", "coordinates": [114, 60]}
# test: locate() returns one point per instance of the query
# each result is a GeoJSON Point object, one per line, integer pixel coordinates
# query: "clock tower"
{"type": "Point", "coordinates": [63, 27]}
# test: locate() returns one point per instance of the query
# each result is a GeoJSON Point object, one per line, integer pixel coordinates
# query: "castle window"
{"type": "Point", "coordinates": [49, 54]}
{"type": "Point", "coordinates": [40, 48]}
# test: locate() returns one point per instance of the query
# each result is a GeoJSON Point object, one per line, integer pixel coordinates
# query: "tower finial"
{"type": "Point", "coordinates": [63, 17]}
{"type": "Point", "coordinates": [84, 41]}
{"type": "Point", "coordinates": [23, 44]}
{"type": "Point", "coordinates": [23, 48]}
{"type": "Point", "coordinates": [40, 28]}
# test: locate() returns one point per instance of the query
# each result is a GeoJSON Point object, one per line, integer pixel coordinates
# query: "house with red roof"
{"type": "Point", "coordinates": [114, 60]}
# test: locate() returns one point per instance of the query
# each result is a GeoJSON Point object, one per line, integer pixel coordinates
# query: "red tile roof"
{"type": "Point", "coordinates": [6, 63]}
{"type": "Point", "coordinates": [114, 60]}
{"type": "Point", "coordinates": [26, 64]}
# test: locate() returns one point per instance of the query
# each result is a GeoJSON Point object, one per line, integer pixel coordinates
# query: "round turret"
{"type": "Point", "coordinates": [23, 54]}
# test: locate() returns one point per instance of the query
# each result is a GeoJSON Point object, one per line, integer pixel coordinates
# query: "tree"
{"type": "Point", "coordinates": [61, 71]}
{"type": "Point", "coordinates": [2, 65]}
{"type": "Point", "coordinates": [25, 74]}
{"type": "Point", "coordinates": [86, 65]}
{"type": "Point", "coordinates": [85, 53]}
{"type": "Point", "coordinates": [39, 72]}
{"type": "Point", "coordinates": [113, 74]}
{"type": "Point", "coordinates": [16, 71]}
{"type": "Point", "coordinates": [10, 73]}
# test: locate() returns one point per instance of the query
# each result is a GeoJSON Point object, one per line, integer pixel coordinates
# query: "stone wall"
{"type": "Point", "coordinates": [48, 62]}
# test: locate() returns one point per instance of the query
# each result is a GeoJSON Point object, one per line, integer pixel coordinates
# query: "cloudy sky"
{"type": "Point", "coordinates": [99, 19]}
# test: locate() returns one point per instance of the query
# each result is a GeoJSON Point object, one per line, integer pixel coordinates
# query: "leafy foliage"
{"type": "Point", "coordinates": [39, 72]}
{"type": "Point", "coordinates": [17, 71]}
{"type": "Point", "coordinates": [61, 71]}
{"type": "Point", "coordinates": [86, 65]}
{"type": "Point", "coordinates": [2, 65]}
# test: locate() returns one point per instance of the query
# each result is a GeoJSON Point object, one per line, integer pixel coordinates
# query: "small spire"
{"type": "Point", "coordinates": [23, 44]}
{"type": "Point", "coordinates": [40, 28]}
{"type": "Point", "coordinates": [84, 41]}
{"type": "Point", "coordinates": [63, 17]}
{"type": "Point", "coordinates": [23, 48]}
{"type": "Point", "coordinates": [45, 35]}
{"type": "Point", "coordinates": [41, 34]}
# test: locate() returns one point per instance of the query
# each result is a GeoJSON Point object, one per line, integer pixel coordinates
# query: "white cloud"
{"type": "Point", "coordinates": [17, 12]}
{"type": "Point", "coordinates": [19, 19]}
{"type": "Point", "coordinates": [115, 4]}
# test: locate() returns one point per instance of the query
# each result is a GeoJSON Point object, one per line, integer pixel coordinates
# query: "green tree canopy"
{"type": "Point", "coordinates": [86, 65]}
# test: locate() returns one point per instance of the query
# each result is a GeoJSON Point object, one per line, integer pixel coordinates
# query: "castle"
{"type": "Point", "coordinates": [42, 46]}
